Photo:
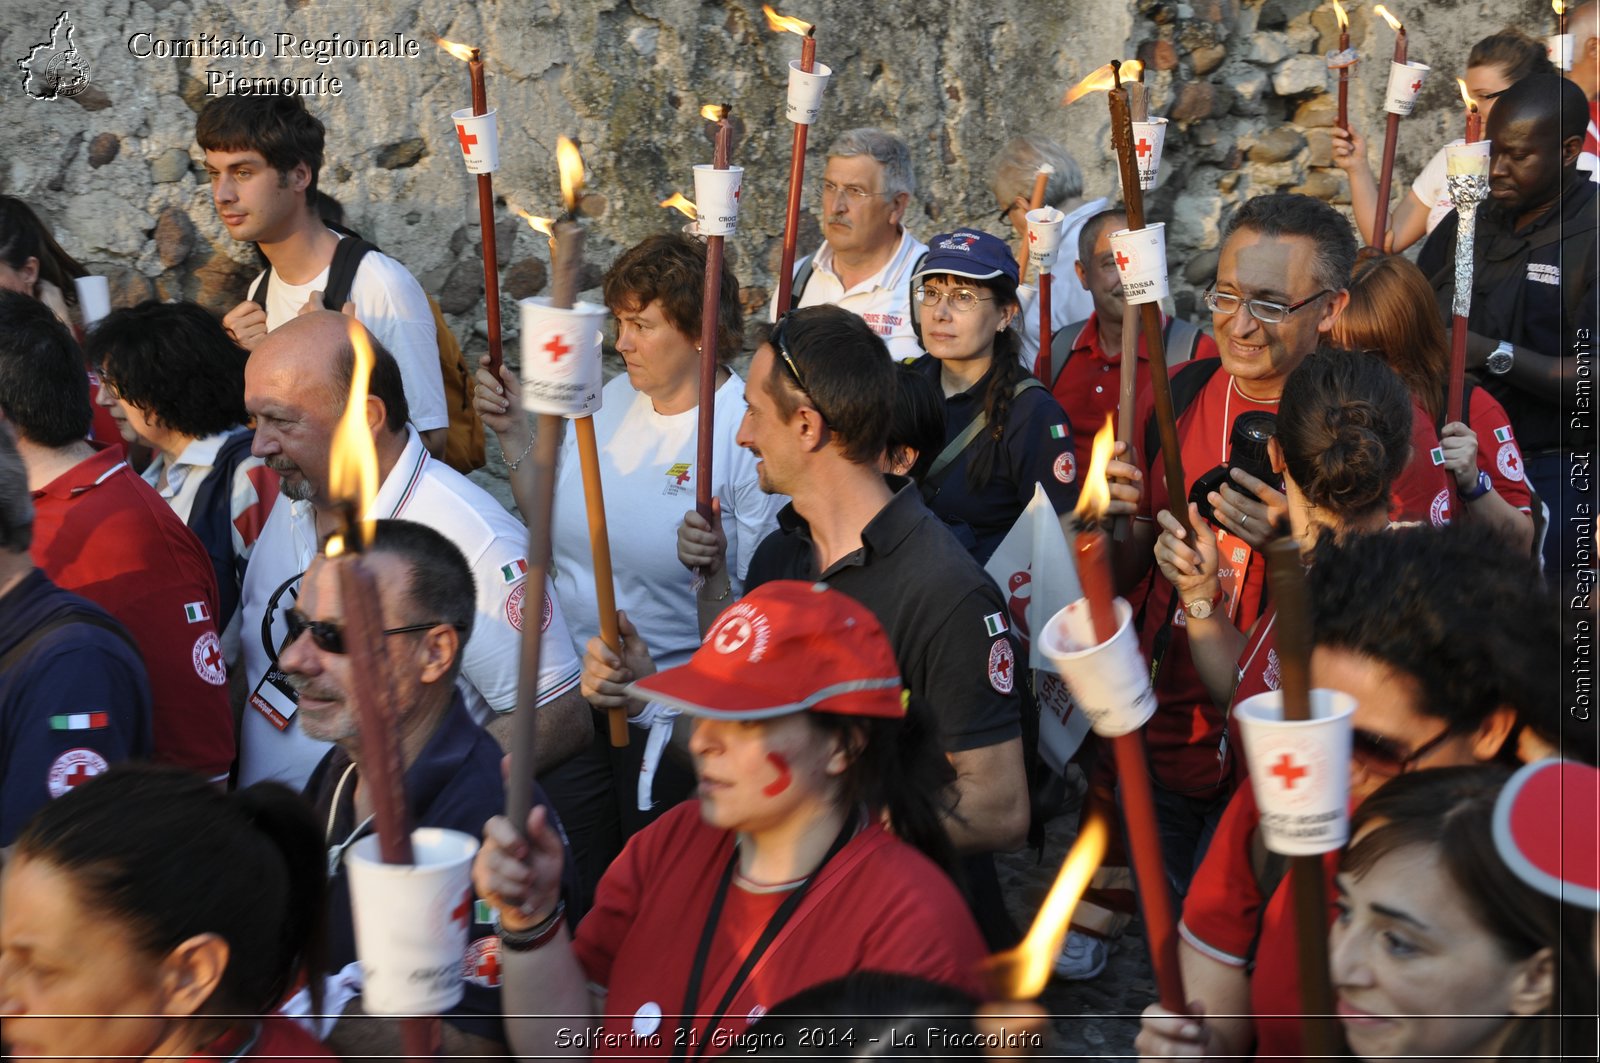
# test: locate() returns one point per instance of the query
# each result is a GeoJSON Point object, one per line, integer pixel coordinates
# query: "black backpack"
{"type": "Point", "coordinates": [1182, 339]}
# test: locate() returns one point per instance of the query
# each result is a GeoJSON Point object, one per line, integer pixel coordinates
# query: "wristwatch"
{"type": "Point", "coordinates": [1499, 360]}
{"type": "Point", "coordinates": [1485, 485]}
{"type": "Point", "coordinates": [1201, 608]}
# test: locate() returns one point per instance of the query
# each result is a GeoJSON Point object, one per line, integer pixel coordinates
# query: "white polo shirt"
{"type": "Point", "coordinates": [494, 543]}
{"type": "Point", "coordinates": [883, 300]}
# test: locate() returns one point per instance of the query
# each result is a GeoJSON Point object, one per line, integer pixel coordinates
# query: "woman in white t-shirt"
{"type": "Point", "coordinates": [1495, 64]}
{"type": "Point", "coordinates": [647, 430]}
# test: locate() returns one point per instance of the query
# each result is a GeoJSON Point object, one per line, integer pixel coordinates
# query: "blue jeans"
{"type": "Point", "coordinates": [1186, 825]}
{"type": "Point", "coordinates": [1550, 474]}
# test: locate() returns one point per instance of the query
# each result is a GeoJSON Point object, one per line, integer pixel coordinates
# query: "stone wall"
{"type": "Point", "coordinates": [115, 170]}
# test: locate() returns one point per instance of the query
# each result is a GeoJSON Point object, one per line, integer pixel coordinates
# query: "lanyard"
{"type": "Point", "coordinates": [785, 911]}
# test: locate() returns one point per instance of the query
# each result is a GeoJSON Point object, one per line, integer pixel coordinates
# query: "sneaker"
{"type": "Point", "coordinates": [1083, 957]}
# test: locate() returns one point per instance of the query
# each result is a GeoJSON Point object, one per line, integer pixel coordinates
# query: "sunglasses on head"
{"type": "Point", "coordinates": [329, 637]}
{"type": "Point", "coordinates": [1387, 758]}
{"type": "Point", "coordinates": [780, 343]}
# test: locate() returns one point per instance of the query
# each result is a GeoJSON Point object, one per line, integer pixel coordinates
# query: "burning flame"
{"type": "Point", "coordinates": [1472, 104]}
{"type": "Point", "coordinates": [353, 458]}
{"type": "Point", "coordinates": [1560, 8]}
{"type": "Point", "coordinates": [678, 202]}
{"type": "Point", "coordinates": [1394, 23]}
{"type": "Point", "coordinates": [1344, 19]}
{"type": "Point", "coordinates": [1026, 969]}
{"type": "Point", "coordinates": [1094, 497]}
{"type": "Point", "coordinates": [571, 166]}
{"type": "Point", "coordinates": [1102, 80]}
{"type": "Point", "coordinates": [714, 112]}
{"type": "Point", "coordinates": [464, 52]}
{"type": "Point", "coordinates": [784, 24]}
{"type": "Point", "coordinates": [543, 225]}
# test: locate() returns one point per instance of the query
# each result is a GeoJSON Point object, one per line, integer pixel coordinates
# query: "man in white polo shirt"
{"type": "Point", "coordinates": [295, 384]}
{"type": "Point", "coordinates": [865, 262]}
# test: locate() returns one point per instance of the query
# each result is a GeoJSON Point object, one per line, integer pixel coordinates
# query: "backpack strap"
{"type": "Point", "coordinates": [342, 273]}
{"type": "Point", "coordinates": [952, 450]}
{"type": "Point", "coordinates": [1062, 345]}
{"type": "Point", "coordinates": [1269, 870]}
{"type": "Point", "coordinates": [1186, 384]}
{"type": "Point", "coordinates": [802, 277]}
{"type": "Point", "coordinates": [259, 294]}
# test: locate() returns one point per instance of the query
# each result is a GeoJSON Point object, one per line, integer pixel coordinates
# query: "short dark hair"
{"type": "Point", "coordinates": [167, 854]}
{"type": "Point", "coordinates": [175, 362]}
{"type": "Point", "coordinates": [847, 372]}
{"type": "Point", "coordinates": [1344, 423]}
{"type": "Point", "coordinates": [385, 383]}
{"type": "Point", "coordinates": [916, 420]}
{"type": "Point", "coordinates": [1453, 608]}
{"type": "Point", "coordinates": [441, 590]}
{"type": "Point", "coordinates": [43, 387]}
{"type": "Point", "coordinates": [1291, 214]}
{"type": "Point", "coordinates": [671, 268]}
{"type": "Point", "coordinates": [1549, 99]}
{"type": "Point", "coordinates": [16, 501]}
{"type": "Point", "coordinates": [1093, 227]}
{"type": "Point", "coordinates": [279, 127]}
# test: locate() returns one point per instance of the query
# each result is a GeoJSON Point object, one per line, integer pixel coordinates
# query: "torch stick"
{"type": "Point", "coordinates": [1345, 67]}
{"type": "Point", "coordinates": [797, 175]}
{"type": "Point", "coordinates": [710, 311]}
{"type": "Point", "coordinates": [1307, 881]}
{"type": "Point", "coordinates": [1149, 313]}
{"type": "Point", "coordinates": [1467, 190]}
{"type": "Point", "coordinates": [1380, 221]}
{"type": "Point", "coordinates": [1128, 375]}
{"type": "Point", "coordinates": [605, 591]}
{"type": "Point", "coordinates": [1041, 180]}
{"type": "Point", "coordinates": [491, 264]}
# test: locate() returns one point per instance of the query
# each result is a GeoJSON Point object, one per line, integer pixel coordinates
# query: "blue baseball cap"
{"type": "Point", "coordinates": [968, 253]}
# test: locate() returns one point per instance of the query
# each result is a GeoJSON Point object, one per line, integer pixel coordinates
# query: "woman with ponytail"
{"type": "Point", "coordinates": [1004, 431]}
{"type": "Point", "coordinates": [146, 915]}
{"type": "Point", "coordinates": [816, 848]}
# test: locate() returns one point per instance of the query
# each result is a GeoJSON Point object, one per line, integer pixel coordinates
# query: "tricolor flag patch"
{"type": "Point", "coordinates": [514, 571]}
{"type": "Point", "coordinates": [1058, 431]}
{"type": "Point", "coordinates": [483, 912]}
{"type": "Point", "coordinates": [1502, 435]}
{"type": "Point", "coordinates": [81, 721]}
{"type": "Point", "coordinates": [1437, 454]}
{"type": "Point", "coordinates": [995, 624]}
{"type": "Point", "coordinates": [195, 612]}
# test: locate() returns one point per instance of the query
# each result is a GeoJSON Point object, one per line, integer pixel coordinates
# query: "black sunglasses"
{"type": "Point", "coordinates": [1387, 758]}
{"type": "Point", "coordinates": [780, 343]}
{"type": "Point", "coordinates": [329, 637]}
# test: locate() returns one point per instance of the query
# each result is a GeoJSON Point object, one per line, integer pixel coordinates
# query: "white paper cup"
{"type": "Point", "coordinates": [411, 921]}
{"type": "Point", "coordinates": [805, 92]}
{"type": "Point", "coordinates": [94, 299]}
{"type": "Point", "coordinates": [560, 357]}
{"type": "Point", "coordinates": [1405, 85]}
{"type": "Point", "coordinates": [479, 138]}
{"type": "Point", "coordinates": [1148, 138]}
{"type": "Point", "coordinates": [1467, 160]}
{"type": "Point", "coordinates": [716, 199]}
{"type": "Point", "coordinates": [1109, 681]}
{"type": "Point", "coordinates": [1141, 256]}
{"type": "Point", "coordinates": [1044, 237]}
{"type": "Point", "coordinates": [1559, 48]}
{"type": "Point", "coordinates": [1300, 770]}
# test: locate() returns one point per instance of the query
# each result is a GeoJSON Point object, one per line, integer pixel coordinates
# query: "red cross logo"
{"type": "Point", "coordinates": [1416, 86]}
{"type": "Point", "coordinates": [1512, 462]}
{"type": "Point", "coordinates": [1289, 772]}
{"type": "Point", "coordinates": [1033, 237]}
{"type": "Point", "coordinates": [1122, 260]}
{"type": "Point", "coordinates": [79, 773]}
{"type": "Point", "coordinates": [738, 190]}
{"type": "Point", "coordinates": [734, 633]}
{"type": "Point", "coordinates": [1003, 666]}
{"type": "Point", "coordinates": [683, 476]}
{"type": "Point", "coordinates": [489, 967]}
{"type": "Point", "coordinates": [213, 656]}
{"type": "Point", "coordinates": [461, 912]}
{"type": "Point", "coordinates": [1144, 147]}
{"type": "Point", "coordinates": [557, 348]}
{"type": "Point", "coordinates": [466, 138]}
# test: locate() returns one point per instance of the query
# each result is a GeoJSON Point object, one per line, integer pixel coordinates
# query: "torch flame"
{"type": "Point", "coordinates": [1560, 8]}
{"type": "Point", "coordinates": [543, 225]}
{"type": "Point", "coordinates": [1102, 80]}
{"type": "Point", "coordinates": [353, 458]}
{"type": "Point", "coordinates": [1394, 23]}
{"type": "Point", "coordinates": [1344, 19]}
{"type": "Point", "coordinates": [784, 24]}
{"type": "Point", "coordinates": [1027, 968]}
{"type": "Point", "coordinates": [1472, 104]}
{"type": "Point", "coordinates": [678, 202]}
{"type": "Point", "coordinates": [1094, 497]}
{"type": "Point", "coordinates": [571, 166]}
{"type": "Point", "coordinates": [714, 112]}
{"type": "Point", "coordinates": [464, 52]}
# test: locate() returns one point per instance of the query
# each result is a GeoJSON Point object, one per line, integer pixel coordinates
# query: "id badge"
{"type": "Point", "coordinates": [275, 699]}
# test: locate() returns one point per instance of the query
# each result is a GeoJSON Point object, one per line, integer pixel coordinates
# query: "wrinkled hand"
{"type": "Point", "coordinates": [247, 324]}
{"type": "Point", "coordinates": [520, 876]}
{"type": "Point", "coordinates": [1250, 513]}
{"type": "Point", "coordinates": [1126, 482]}
{"type": "Point", "coordinates": [1190, 568]}
{"type": "Point", "coordinates": [1460, 446]}
{"type": "Point", "coordinates": [1349, 149]}
{"type": "Point", "coordinates": [605, 674]}
{"type": "Point", "coordinates": [499, 403]}
{"type": "Point", "coordinates": [702, 545]}
{"type": "Point", "coordinates": [1163, 1034]}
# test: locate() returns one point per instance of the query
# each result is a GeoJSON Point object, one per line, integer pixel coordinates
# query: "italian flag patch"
{"type": "Point", "coordinates": [1058, 431]}
{"type": "Point", "coordinates": [80, 721]}
{"type": "Point", "coordinates": [514, 571]}
{"type": "Point", "coordinates": [195, 612]}
{"type": "Point", "coordinates": [995, 624]}
{"type": "Point", "coordinates": [1437, 454]}
{"type": "Point", "coordinates": [1502, 435]}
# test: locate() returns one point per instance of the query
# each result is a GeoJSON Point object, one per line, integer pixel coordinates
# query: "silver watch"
{"type": "Point", "coordinates": [1500, 359]}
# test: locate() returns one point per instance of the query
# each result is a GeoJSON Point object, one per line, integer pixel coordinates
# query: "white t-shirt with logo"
{"type": "Point", "coordinates": [883, 300]}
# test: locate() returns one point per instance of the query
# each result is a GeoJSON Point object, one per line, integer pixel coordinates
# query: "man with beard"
{"type": "Point", "coordinates": [296, 384]}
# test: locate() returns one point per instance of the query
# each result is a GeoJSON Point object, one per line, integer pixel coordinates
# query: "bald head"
{"type": "Point", "coordinates": [1536, 132]}
{"type": "Point", "coordinates": [304, 353]}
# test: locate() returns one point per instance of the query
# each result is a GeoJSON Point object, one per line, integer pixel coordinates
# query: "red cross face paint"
{"type": "Point", "coordinates": [785, 777]}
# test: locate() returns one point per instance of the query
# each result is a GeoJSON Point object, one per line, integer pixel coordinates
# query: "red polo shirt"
{"type": "Point", "coordinates": [102, 532]}
{"type": "Point", "coordinates": [1090, 382]}
{"type": "Point", "coordinates": [1421, 493]}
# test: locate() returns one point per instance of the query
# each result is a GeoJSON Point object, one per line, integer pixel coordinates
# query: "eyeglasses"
{"type": "Point", "coordinates": [1267, 313]}
{"type": "Point", "coordinates": [329, 637]}
{"type": "Point", "coordinates": [963, 300]}
{"type": "Point", "coordinates": [856, 193]}
{"type": "Point", "coordinates": [780, 343]}
{"type": "Point", "coordinates": [1386, 758]}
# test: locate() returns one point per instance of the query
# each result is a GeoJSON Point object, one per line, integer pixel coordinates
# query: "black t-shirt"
{"type": "Point", "coordinates": [943, 614]}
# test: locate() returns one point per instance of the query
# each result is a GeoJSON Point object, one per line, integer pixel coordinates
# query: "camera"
{"type": "Point", "coordinates": [1247, 450]}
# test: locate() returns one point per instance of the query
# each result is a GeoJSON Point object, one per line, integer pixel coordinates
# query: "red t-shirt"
{"type": "Point", "coordinates": [1091, 381]}
{"type": "Point", "coordinates": [1225, 916]}
{"type": "Point", "coordinates": [1186, 737]}
{"type": "Point", "coordinates": [102, 532]}
{"type": "Point", "coordinates": [1421, 493]}
{"type": "Point", "coordinates": [1498, 453]}
{"type": "Point", "coordinates": [879, 905]}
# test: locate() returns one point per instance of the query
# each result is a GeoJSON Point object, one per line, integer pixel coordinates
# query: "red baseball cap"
{"type": "Point", "coordinates": [788, 646]}
{"type": "Point", "coordinates": [1547, 829]}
